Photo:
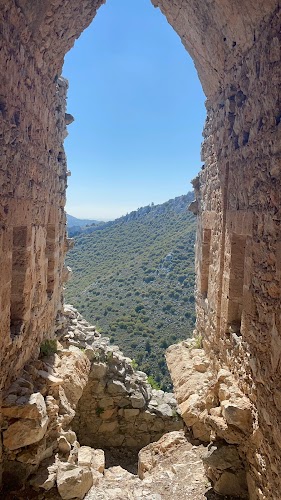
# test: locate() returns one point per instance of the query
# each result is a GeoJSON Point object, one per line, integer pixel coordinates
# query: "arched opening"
{"type": "Point", "coordinates": [236, 49]}
{"type": "Point", "coordinates": [139, 112]}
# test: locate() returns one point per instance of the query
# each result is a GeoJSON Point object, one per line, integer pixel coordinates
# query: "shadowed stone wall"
{"type": "Point", "coordinates": [236, 49]}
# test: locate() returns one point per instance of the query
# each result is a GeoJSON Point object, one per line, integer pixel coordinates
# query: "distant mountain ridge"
{"type": "Point", "coordinates": [75, 225]}
{"type": "Point", "coordinates": [73, 221]}
{"type": "Point", "coordinates": [178, 204]}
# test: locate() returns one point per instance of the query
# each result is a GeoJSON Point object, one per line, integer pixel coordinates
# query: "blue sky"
{"type": "Point", "coordinates": [139, 113]}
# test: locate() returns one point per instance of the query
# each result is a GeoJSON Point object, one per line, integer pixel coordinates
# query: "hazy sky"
{"type": "Point", "coordinates": [139, 113]}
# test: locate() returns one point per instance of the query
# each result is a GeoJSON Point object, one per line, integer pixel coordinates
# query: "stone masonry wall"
{"type": "Point", "coordinates": [33, 171]}
{"type": "Point", "coordinates": [43, 424]}
{"type": "Point", "coordinates": [238, 244]}
{"type": "Point", "coordinates": [236, 49]}
{"type": "Point", "coordinates": [118, 407]}
{"type": "Point", "coordinates": [33, 181]}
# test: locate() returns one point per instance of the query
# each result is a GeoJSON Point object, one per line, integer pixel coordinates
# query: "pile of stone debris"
{"type": "Point", "coordinates": [84, 397]}
{"type": "Point", "coordinates": [41, 411]}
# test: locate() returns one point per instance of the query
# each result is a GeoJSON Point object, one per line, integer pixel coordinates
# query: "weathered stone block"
{"type": "Point", "coordinates": [95, 459]}
{"type": "Point", "coordinates": [24, 432]}
{"type": "Point", "coordinates": [73, 481]}
{"type": "Point", "coordinates": [238, 414]}
{"type": "Point", "coordinates": [31, 407]}
{"type": "Point", "coordinates": [115, 387]}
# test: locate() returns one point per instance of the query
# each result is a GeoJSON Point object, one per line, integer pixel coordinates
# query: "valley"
{"type": "Point", "coordinates": [134, 279]}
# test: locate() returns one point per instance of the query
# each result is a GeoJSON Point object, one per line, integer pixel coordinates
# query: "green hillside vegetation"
{"type": "Point", "coordinates": [134, 279]}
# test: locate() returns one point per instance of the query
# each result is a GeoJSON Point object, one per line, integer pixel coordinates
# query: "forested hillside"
{"type": "Point", "coordinates": [134, 279]}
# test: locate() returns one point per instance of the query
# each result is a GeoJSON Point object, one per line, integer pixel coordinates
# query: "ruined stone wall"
{"type": "Point", "coordinates": [33, 182]}
{"type": "Point", "coordinates": [236, 49]}
{"type": "Point", "coordinates": [33, 172]}
{"type": "Point", "coordinates": [45, 423]}
{"type": "Point", "coordinates": [239, 241]}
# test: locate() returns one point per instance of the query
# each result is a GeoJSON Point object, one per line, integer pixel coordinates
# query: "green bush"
{"type": "Point", "coordinates": [153, 382]}
{"type": "Point", "coordinates": [48, 347]}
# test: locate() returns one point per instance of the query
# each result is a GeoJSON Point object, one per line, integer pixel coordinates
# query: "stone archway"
{"type": "Point", "coordinates": [236, 49]}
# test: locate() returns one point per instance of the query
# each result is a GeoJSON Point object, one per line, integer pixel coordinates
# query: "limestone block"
{"type": "Point", "coordinates": [73, 481]}
{"type": "Point", "coordinates": [108, 426]}
{"type": "Point", "coordinates": [115, 387]}
{"type": "Point", "coordinates": [45, 477]}
{"type": "Point", "coordinates": [69, 435]}
{"type": "Point", "coordinates": [232, 484]}
{"type": "Point", "coordinates": [201, 431]}
{"type": "Point", "coordinates": [85, 456]}
{"type": "Point", "coordinates": [142, 427]}
{"type": "Point", "coordinates": [67, 413]}
{"type": "Point", "coordinates": [224, 392]}
{"type": "Point", "coordinates": [169, 398]}
{"type": "Point", "coordinates": [130, 413]}
{"type": "Point", "coordinates": [63, 445]}
{"type": "Point", "coordinates": [24, 432]}
{"type": "Point", "coordinates": [98, 370]}
{"type": "Point", "coordinates": [164, 410]}
{"type": "Point", "coordinates": [231, 434]}
{"type": "Point", "coordinates": [222, 458]}
{"type": "Point", "coordinates": [50, 379]}
{"type": "Point", "coordinates": [137, 400]}
{"type": "Point", "coordinates": [31, 407]}
{"type": "Point", "coordinates": [95, 459]}
{"type": "Point", "coordinates": [149, 456]}
{"type": "Point", "coordinates": [106, 402]}
{"type": "Point", "coordinates": [158, 425]}
{"type": "Point", "coordinates": [34, 454]}
{"type": "Point", "coordinates": [74, 371]}
{"type": "Point", "coordinates": [189, 409]}
{"type": "Point", "coordinates": [73, 455]}
{"type": "Point", "coordinates": [238, 414]}
{"type": "Point", "coordinates": [189, 370]}
{"type": "Point", "coordinates": [52, 406]}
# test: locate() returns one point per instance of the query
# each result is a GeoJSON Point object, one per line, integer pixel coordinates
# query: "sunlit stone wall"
{"type": "Point", "coordinates": [236, 49]}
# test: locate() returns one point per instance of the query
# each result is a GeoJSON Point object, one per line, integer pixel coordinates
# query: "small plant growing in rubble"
{"type": "Point", "coordinates": [153, 383]}
{"type": "Point", "coordinates": [99, 411]}
{"type": "Point", "coordinates": [134, 364]}
{"type": "Point", "coordinates": [197, 342]}
{"type": "Point", "coordinates": [109, 356]}
{"type": "Point", "coordinates": [48, 347]}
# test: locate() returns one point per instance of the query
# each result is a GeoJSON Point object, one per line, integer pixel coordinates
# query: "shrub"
{"type": "Point", "coordinates": [134, 364]}
{"type": "Point", "coordinates": [48, 347]}
{"type": "Point", "coordinates": [153, 382]}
